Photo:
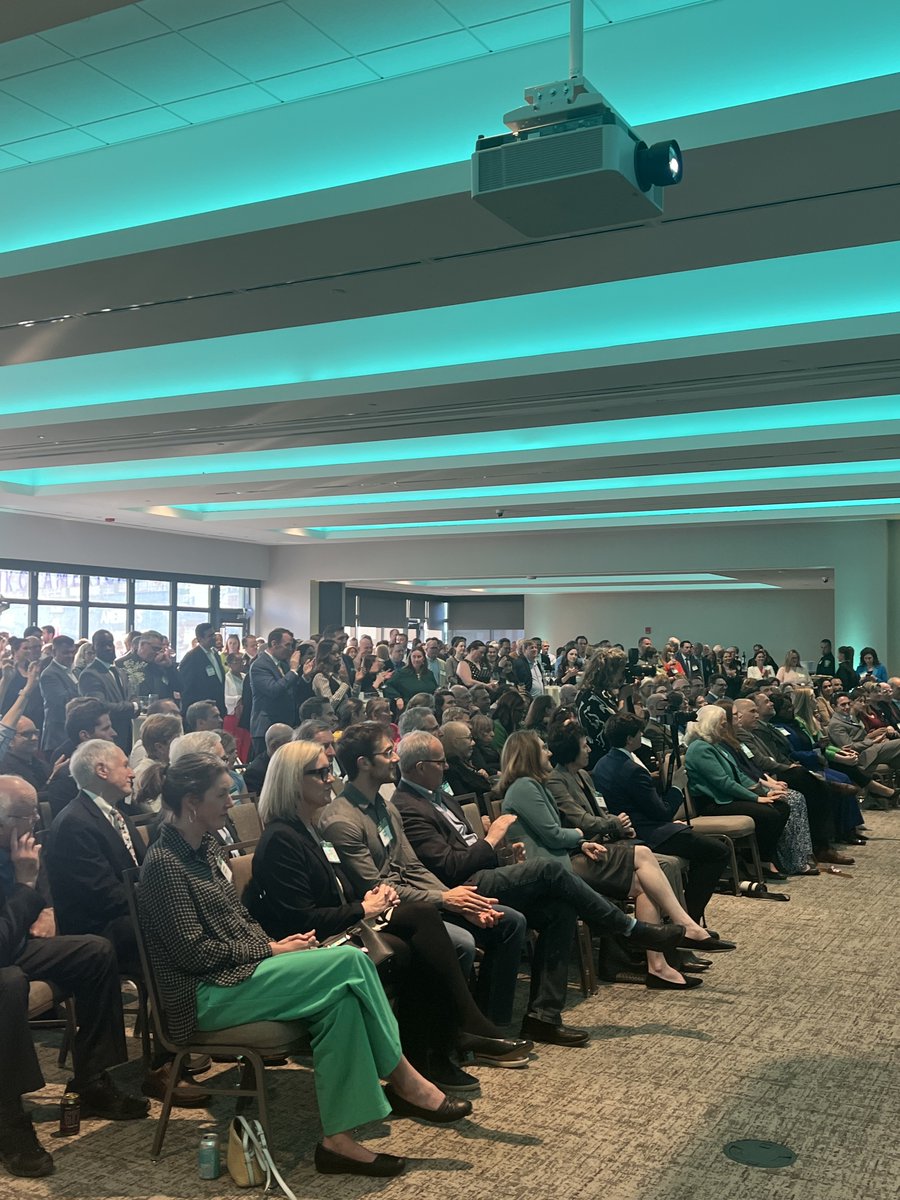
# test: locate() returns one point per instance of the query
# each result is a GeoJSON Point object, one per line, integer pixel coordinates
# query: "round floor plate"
{"type": "Point", "coordinates": [753, 1153]}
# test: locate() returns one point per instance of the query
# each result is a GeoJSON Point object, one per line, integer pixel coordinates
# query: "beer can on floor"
{"type": "Point", "coordinates": [208, 1157]}
{"type": "Point", "coordinates": [70, 1114]}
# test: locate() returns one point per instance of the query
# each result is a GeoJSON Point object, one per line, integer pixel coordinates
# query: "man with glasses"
{"type": "Point", "coordinates": [22, 758]}
{"type": "Point", "coordinates": [84, 967]}
{"type": "Point", "coordinates": [147, 669]}
{"type": "Point", "coordinates": [551, 897]}
{"type": "Point", "coordinates": [367, 833]}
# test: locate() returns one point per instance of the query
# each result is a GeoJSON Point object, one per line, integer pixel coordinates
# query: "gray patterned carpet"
{"type": "Point", "coordinates": [791, 1039]}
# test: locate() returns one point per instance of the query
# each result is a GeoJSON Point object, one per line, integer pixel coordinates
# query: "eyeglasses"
{"type": "Point", "coordinates": [324, 773]}
{"type": "Point", "coordinates": [385, 753]}
{"type": "Point", "coordinates": [29, 818]}
{"type": "Point", "coordinates": [30, 735]}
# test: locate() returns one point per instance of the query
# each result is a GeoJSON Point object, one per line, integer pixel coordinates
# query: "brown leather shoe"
{"type": "Point", "coordinates": [832, 856]}
{"type": "Point", "coordinates": [185, 1095]}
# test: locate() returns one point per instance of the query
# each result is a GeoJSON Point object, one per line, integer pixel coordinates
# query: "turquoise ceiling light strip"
{"type": "Point", "coordinates": [783, 421]}
{"type": "Point", "coordinates": [833, 285]}
{"type": "Point", "coordinates": [558, 492]}
{"type": "Point", "coordinates": [431, 117]}
{"type": "Point", "coordinates": [600, 518]}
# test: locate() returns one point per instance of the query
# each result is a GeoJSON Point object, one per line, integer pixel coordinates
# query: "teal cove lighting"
{"type": "Point", "coordinates": [810, 419]}
{"type": "Point", "coordinates": [490, 526]}
{"type": "Point", "coordinates": [429, 114]}
{"type": "Point", "coordinates": [558, 492]}
{"type": "Point", "coordinates": [394, 349]}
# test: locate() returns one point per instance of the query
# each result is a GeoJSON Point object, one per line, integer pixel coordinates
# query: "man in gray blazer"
{"type": "Point", "coordinates": [103, 680]}
{"type": "Point", "coordinates": [59, 685]}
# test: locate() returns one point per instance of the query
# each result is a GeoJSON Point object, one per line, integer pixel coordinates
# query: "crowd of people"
{"type": "Point", "coordinates": [365, 760]}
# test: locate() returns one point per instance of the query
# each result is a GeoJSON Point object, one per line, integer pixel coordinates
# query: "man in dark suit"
{"type": "Point", "coordinates": [91, 847]}
{"type": "Point", "coordinates": [693, 670]}
{"type": "Point", "coordinates": [201, 675]}
{"type": "Point", "coordinates": [86, 719]}
{"type": "Point", "coordinates": [83, 967]}
{"type": "Point", "coordinates": [550, 896]}
{"type": "Point", "coordinates": [626, 785]}
{"type": "Point", "coordinates": [103, 680]}
{"type": "Point", "coordinates": [59, 685]}
{"type": "Point", "coordinates": [274, 680]}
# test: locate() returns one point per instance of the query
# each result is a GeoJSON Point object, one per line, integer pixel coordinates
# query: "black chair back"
{"type": "Point", "coordinates": [131, 879]}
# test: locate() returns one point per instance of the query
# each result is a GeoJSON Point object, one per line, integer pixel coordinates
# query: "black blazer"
{"type": "Point", "coordinates": [628, 788]}
{"type": "Point", "coordinates": [85, 860]}
{"type": "Point", "coordinates": [437, 844]}
{"type": "Point", "coordinates": [521, 672]}
{"type": "Point", "coordinates": [295, 888]}
{"type": "Point", "coordinates": [195, 682]}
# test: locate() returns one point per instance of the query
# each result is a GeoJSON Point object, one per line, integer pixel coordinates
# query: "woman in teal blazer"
{"type": "Point", "coordinates": [719, 787]}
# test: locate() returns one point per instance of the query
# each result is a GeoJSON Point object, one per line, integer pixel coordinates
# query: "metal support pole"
{"type": "Point", "coordinates": [576, 38]}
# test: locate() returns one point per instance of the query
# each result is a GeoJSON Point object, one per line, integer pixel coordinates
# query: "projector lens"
{"type": "Point", "coordinates": [659, 165]}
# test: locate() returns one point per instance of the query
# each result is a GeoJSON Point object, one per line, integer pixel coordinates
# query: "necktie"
{"type": "Point", "coordinates": [118, 823]}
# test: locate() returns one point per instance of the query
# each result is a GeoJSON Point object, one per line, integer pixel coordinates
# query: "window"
{"type": "Point", "coordinates": [152, 591]}
{"type": "Point", "coordinates": [104, 589]}
{"type": "Point", "coordinates": [56, 585]}
{"type": "Point", "coordinates": [15, 619]}
{"type": "Point", "coordinates": [113, 619]}
{"type": "Point", "coordinates": [193, 595]}
{"type": "Point", "coordinates": [158, 619]}
{"type": "Point", "coordinates": [232, 597]}
{"type": "Point", "coordinates": [185, 623]}
{"type": "Point", "coordinates": [65, 618]}
{"type": "Point", "coordinates": [15, 584]}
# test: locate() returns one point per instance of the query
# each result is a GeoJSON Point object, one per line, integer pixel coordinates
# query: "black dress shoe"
{"type": "Point", "coordinates": [499, 1052]}
{"type": "Point", "coordinates": [445, 1074]}
{"type": "Point", "coordinates": [553, 1035]}
{"type": "Point", "coordinates": [448, 1111]}
{"type": "Point", "coordinates": [710, 945]}
{"type": "Point", "coordinates": [656, 937]}
{"type": "Point", "coordinates": [20, 1151]}
{"type": "Point", "coordinates": [101, 1098]}
{"type": "Point", "coordinates": [382, 1166]}
{"type": "Point", "coordinates": [695, 966]}
{"type": "Point", "coordinates": [671, 985]}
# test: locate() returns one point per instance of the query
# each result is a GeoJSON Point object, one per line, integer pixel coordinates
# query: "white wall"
{"type": "Point", "coordinates": [112, 547]}
{"type": "Point", "coordinates": [780, 620]}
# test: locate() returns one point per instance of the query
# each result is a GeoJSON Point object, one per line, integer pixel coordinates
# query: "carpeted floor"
{"type": "Point", "coordinates": [791, 1039]}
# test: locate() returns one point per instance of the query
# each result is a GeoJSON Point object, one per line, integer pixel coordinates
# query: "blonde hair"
{"type": "Point", "coordinates": [283, 784]}
{"type": "Point", "coordinates": [521, 758]}
{"type": "Point", "coordinates": [804, 702]}
{"type": "Point", "coordinates": [708, 727]}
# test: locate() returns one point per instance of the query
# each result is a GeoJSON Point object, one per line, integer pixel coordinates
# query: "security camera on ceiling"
{"type": "Point", "coordinates": [571, 162]}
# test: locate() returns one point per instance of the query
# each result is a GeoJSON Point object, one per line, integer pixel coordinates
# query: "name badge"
{"type": "Point", "coordinates": [210, 670]}
{"type": "Point", "coordinates": [330, 853]}
{"type": "Point", "coordinates": [385, 833]}
{"type": "Point", "coordinates": [224, 868]}
{"type": "Point", "coordinates": [747, 751]}
{"type": "Point", "coordinates": [646, 742]}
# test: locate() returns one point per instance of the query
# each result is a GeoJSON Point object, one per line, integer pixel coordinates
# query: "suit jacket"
{"type": "Point", "coordinates": [629, 788]}
{"type": "Point", "coordinates": [85, 859]}
{"type": "Point", "coordinates": [521, 673]}
{"type": "Point", "coordinates": [106, 683]}
{"type": "Point", "coordinates": [58, 687]}
{"type": "Point", "coordinates": [196, 683]}
{"type": "Point", "coordinates": [713, 774]}
{"type": "Point", "coordinates": [539, 825]}
{"type": "Point", "coordinates": [577, 811]}
{"type": "Point", "coordinates": [295, 888]}
{"type": "Point", "coordinates": [692, 667]}
{"type": "Point", "coordinates": [18, 912]}
{"type": "Point", "coordinates": [463, 778]}
{"type": "Point", "coordinates": [350, 823]}
{"type": "Point", "coordinates": [439, 672]}
{"type": "Point", "coordinates": [437, 844]}
{"type": "Point", "coordinates": [274, 695]}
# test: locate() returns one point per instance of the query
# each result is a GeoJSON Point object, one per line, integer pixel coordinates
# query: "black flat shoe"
{"type": "Point", "coordinates": [446, 1075]}
{"type": "Point", "coordinates": [710, 945]}
{"type": "Point", "coordinates": [382, 1166]}
{"type": "Point", "coordinates": [695, 968]}
{"type": "Point", "coordinates": [498, 1052]}
{"type": "Point", "coordinates": [448, 1110]}
{"type": "Point", "coordinates": [102, 1098]}
{"type": "Point", "coordinates": [670, 985]}
{"type": "Point", "coordinates": [776, 875]}
{"type": "Point", "coordinates": [656, 937]}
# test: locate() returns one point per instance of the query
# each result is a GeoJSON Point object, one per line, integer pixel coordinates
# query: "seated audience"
{"type": "Point", "coordinates": [462, 776]}
{"type": "Point", "coordinates": [217, 967]}
{"type": "Point", "coordinates": [539, 714]}
{"type": "Point", "coordinates": [509, 712]}
{"type": "Point", "coordinates": [23, 758]}
{"type": "Point", "coordinates": [157, 734]}
{"type": "Point", "coordinates": [296, 889]}
{"type": "Point", "coordinates": [87, 719]}
{"type": "Point", "coordinates": [485, 755]}
{"type": "Point", "coordinates": [202, 714]}
{"type": "Point", "coordinates": [761, 668]}
{"type": "Point", "coordinates": [869, 668]}
{"type": "Point", "coordinates": [84, 967]}
{"type": "Point", "coordinates": [417, 717]}
{"type": "Point", "coordinates": [255, 774]}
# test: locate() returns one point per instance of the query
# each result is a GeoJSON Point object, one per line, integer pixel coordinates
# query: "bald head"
{"type": "Point", "coordinates": [18, 808]}
{"type": "Point", "coordinates": [744, 714]}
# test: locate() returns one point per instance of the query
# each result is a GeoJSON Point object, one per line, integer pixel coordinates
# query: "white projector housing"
{"type": "Point", "coordinates": [563, 179]}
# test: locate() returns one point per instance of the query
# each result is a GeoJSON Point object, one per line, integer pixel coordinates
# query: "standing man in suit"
{"type": "Point", "coordinates": [201, 674]}
{"type": "Point", "coordinates": [693, 671]}
{"type": "Point", "coordinates": [526, 669]}
{"type": "Point", "coordinates": [435, 664]}
{"type": "Point", "coordinates": [274, 680]}
{"type": "Point", "coordinates": [103, 680]}
{"type": "Point", "coordinates": [626, 784]}
{"type": "Point", "coordinates": [59, 685]}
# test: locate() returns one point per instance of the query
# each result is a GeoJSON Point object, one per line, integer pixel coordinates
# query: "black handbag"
{"type": "Point", "coordinates": [366, 936]}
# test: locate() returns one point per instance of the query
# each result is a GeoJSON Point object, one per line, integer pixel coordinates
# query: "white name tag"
{"type": "Point", "coordinates": [646, 742]}
{"type": "Point", "coordinates": [210, 670]}
{"type": "Point", "coordinates": [224, 868]}
{"type": "Point", "coordinates": [330, 853]}
{"type": "Point", "coordinates": [384, 832]}
{"type": "Point", "coordinates": [747, 751]}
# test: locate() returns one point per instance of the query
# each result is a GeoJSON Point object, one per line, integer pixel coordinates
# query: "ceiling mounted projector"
{"type": "Point", "coordinates": [571, 162]}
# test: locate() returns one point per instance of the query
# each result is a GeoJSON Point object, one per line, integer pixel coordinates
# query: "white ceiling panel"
{"type": "Point", "coordinates": [180, 14]}
{"type": "Point", "coordinates": [332, 77]}
{"type": "Point", "coordinates": [363, 27]}
{"type": "Point", "coordinates": [118, 27]}
{"type": "Point", "coordinates": [134, 125]}
{"type": "Point", "coordinates": [222, 104]}
{"type": "Point", "coordinates": [54, 145]}
{"type": "Point", "coordinates": [167, 68]}
{"type": "Point", "coordinates": [28, 54]}
{"type": "Point", "coordinates": [535, 27]}
{"type": "Point", "coordinates": [75, 93]}
{"type": "Point", "coordinates": [266, 41]}
{"type": "Point", "coordinates": [420, 56]}
{"type": "Point", "coordinates": [18, 120]}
